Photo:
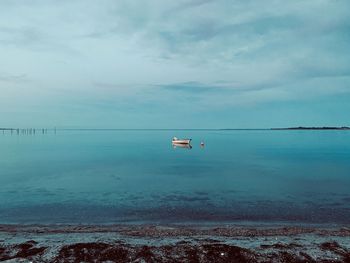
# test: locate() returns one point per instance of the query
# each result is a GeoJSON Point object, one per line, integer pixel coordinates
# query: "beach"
{"type": "Point", "coordinates": [174, 243]}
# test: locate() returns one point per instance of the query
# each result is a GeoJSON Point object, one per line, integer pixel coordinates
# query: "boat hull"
{"type": "Point", "coordinates": [183, 141]}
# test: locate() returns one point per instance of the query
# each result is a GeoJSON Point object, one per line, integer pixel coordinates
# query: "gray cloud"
{"type": "Point", "coordinates": [21, 36]}
{"type": "Point", "coordinates": [192, 87]}
{"type": "Point", "coordinates": [31, 38]}
{"type": "Point", "coordinates": [13, 78]}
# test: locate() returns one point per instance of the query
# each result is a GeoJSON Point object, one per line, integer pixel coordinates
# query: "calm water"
{"type": "Point", "coordinates": [137, 176]}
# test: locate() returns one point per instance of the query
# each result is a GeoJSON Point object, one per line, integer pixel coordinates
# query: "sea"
{"type": "Point", "coordinates": [138, 177]}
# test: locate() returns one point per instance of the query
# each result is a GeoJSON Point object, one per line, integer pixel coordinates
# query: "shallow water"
{"type": "Point", "coordinates": [137, 176]}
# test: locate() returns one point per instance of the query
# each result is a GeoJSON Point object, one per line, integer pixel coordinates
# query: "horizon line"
{"type": "Point", "coordinates": [174, 129]}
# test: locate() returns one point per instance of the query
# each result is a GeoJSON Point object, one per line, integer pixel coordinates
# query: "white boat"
{"type": "Point", "coordinates": [181, 141]}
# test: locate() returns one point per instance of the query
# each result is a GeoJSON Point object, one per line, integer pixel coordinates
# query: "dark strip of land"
{"type": "Point", "coordinates": [313, 128]}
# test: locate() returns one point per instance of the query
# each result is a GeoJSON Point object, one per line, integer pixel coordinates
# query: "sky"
{"type": "Point", "coordinates": [174, 64]}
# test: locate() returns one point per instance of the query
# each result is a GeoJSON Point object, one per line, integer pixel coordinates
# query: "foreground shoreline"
{"type": "Point", "coordinates": [174, 243]}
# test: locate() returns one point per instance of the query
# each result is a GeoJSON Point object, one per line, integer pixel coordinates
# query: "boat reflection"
{"type": "Point", "coordinates": [182, 145]}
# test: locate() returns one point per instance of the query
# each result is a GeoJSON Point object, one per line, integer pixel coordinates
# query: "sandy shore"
{"type": "Point", "coordinates": [173, 243]}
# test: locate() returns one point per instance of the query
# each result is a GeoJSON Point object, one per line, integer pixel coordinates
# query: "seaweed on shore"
{"type": "Point", "coordinates": [336, 249]}
{"type": "Point", "coordinates": [101, 252]}
{"type": "Point", "coordinates": [180, 252]}
{"type": "Point", "coordinates": [174, 244]}
{"type": "Point", "coordinates": [27, 250]}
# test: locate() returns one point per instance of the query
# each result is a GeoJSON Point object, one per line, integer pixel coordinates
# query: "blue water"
{"type": "Point", "coordinates": [137, 176]}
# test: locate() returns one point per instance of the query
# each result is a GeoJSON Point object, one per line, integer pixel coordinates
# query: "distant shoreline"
{"type": "Point", "coordinates": [313, 128]}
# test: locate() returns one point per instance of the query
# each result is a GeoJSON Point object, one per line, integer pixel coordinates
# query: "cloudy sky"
{"type": "Point", "coordinates": [174, 64]}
